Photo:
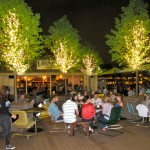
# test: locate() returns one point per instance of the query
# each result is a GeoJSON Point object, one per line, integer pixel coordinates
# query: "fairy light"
{"type": "Point", "coordinates": [65, 58]}
{"type": "Point", "coordinates": [90, 65]}
{"type": "Point", "coordinates": [137, 45]}
{"type": "Point", "coordinates": [13, 52]}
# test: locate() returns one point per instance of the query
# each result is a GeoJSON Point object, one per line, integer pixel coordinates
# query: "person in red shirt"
{"type": "Point", "coordinates": [88, 111]}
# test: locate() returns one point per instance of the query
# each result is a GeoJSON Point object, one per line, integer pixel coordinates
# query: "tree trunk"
{"type": "Point", "coordinates": [65, 86]}
{"type": "Point", "coordinates": [26, 86]}
{"type": "Point", "coordinates": [89, 84]}
{"type": "Point", "coordinates": [137, 82]}
{"type": "Point", "coordinates": [15, 85]}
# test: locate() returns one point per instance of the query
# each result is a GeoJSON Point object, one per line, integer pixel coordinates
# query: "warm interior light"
{"type": "Point", "coordinates": [25, 77]}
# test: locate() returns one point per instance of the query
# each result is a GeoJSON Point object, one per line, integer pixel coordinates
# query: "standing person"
{"type": "Point", "coordinates": [105, 91]}
{"type": "Point", "coordinates": [88, 112]}
{"type": "Point", "coordinates": [70, 110]}
{"type": "Point", "coordinates": [5, 116]}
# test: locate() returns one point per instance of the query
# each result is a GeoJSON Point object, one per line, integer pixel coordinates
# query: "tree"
{"type": "Point", "coordinates": [20, 41]}
{"type": "Point", "coordinates": [90, 62]}
{"type": "Point", "coordinates": [19, 35]}
{"type": "Point", "coordinates": [63, 41]}
{"type": "Point", "coordinates": [130, 40]}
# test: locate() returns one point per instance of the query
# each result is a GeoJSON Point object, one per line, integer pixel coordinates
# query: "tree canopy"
{"type": "Point", "coordinates": [129, 42]}
{"type": "Point", "coordinates": [20, 39]}
{"type": "Point", "coordinates": [63, 41]}
{"type": "Point", "coordinates": [90, 61]}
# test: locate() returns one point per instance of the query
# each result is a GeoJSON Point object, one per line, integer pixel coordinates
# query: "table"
{"type": "Point", "coordinates": [21, 106]}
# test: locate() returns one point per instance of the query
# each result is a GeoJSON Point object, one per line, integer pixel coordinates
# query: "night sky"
{"type": "Point", "coordinates": [92, 18]}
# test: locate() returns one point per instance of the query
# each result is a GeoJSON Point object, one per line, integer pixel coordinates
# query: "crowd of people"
{"type": "Point", "coordinates": [77, 107]}
{"type": "Point", "coordinates": [85, 108]}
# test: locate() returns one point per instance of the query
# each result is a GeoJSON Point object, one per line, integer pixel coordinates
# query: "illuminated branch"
{"type": "Point", "coordinates": [64, 58]}
{"type": "Point", "coordinates": [90, 65]}
{"type": "Point", "coordinates": [13, 52]}
{"type": "Point", "coordinates": [137, 45]}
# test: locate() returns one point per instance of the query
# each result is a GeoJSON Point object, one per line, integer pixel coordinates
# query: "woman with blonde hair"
{"type": "Point", "coordinates": [104, 118]}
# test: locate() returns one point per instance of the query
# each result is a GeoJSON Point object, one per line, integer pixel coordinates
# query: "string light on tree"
{"type": "Point", "coordinates": [137, 45]}
{"type": "Point", "coordinates": [64, 58]}
{"type": "Point", "coordinates": [13, 52]}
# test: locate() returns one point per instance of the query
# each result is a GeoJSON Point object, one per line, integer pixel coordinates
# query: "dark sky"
{"type": "Point", "coordinates": [92, 18]}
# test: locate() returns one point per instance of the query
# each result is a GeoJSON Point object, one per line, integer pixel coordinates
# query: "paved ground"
{"type": "Point", "coordinates": [133, 137]}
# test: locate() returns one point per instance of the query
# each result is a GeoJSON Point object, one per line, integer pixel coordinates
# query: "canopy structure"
{"type": "Point", "coordinates": [114, 70]}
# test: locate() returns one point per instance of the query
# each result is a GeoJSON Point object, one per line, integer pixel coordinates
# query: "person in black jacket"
{"type": "Point", "coordinates": [5, 117]}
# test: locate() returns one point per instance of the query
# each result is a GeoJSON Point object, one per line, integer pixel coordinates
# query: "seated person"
{"type": "Point", "coordinates": [88, 111]}
{"type": "Point", "coordinates": [112, 95]}
{"type": "Point", "coordinates": [22, 98]}
{"type": "Point", "coordinates": [104, 118]}
{"type": "Point", "coordinates": [97, 102]}
{"type": "Point", "coordinates": [148, 91]}
{"type": "Point", "coordinates": [54, 110]}
{"type": "Point", "coordinates": [70, 111]}
{"type": "Point", "coordinates": [119, 101]}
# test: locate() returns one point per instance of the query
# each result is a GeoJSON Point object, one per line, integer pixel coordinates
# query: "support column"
{"type": "Point", "coordinates": [50, 85]}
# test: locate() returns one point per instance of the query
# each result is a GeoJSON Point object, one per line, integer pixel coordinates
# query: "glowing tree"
{"type": "Point", "coordinates": [63, 41]}
{"type": "Point", "coordinates": [91, 62]}
{"type": "Point", "coordinates": [19, 35]}
{"type": "Point", "coordinates": [130, 41]}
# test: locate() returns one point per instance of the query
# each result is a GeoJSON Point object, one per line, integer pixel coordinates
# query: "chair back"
{"type": "Point", "coordinates": [131, 109]}
{"type": "Point", "coordinates": [115, 115]}
{"type": "Point", "coordinates": [142, 110]}
{"type": "Point", "coordinates": [23, 120]}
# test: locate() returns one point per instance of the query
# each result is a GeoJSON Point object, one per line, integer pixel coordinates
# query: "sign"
{"type": "Point", "coordinates": [45, 64]}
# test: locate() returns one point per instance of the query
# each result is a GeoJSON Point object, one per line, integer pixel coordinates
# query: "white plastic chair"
{"type": "Point", "coordinates": [142, 111]}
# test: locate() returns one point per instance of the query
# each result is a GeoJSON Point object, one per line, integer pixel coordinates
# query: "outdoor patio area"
{"type": "Point", "coordinates": [134, 137]}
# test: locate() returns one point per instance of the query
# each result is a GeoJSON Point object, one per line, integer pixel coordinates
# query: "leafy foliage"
{"type": "Point", "coordinates": [130, 40]}
{"type": "Point", "coordinates": [20, 41]}
{"type": "Point", "coordinates": [90, 62]}
{"type": "Point", "coordinates": [63, 41]}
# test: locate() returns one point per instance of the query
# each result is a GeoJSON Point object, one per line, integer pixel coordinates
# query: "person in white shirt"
{"type": "Point", "coordinates": [97, 102]}
{"type": "Point", "coordinates": [70, 111]}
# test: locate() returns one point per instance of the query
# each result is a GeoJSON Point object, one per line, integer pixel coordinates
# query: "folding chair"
{"type": "Point", "coordinates": [112, 124]}
{"type": "Point", "coordinates": [56, 125]}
